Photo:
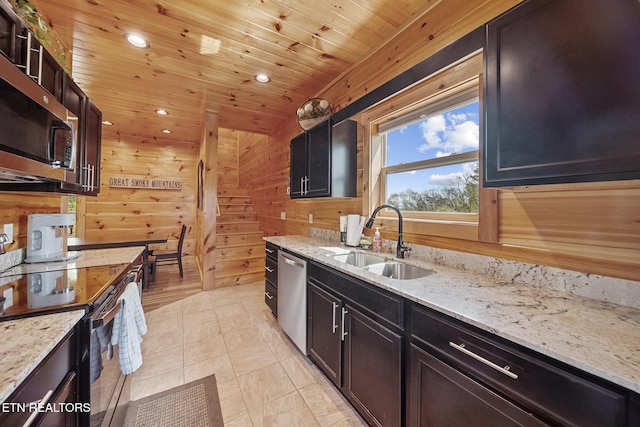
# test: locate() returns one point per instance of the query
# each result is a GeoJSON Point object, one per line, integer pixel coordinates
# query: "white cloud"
{"type": "Point", "coordinates": [444, 180]}
{"type": "Point", "coordinates": [449, 135]}
{"type": "Point", "coordinates": [457, 118]}
{"type": "Point", "coordinates": [432, 131]}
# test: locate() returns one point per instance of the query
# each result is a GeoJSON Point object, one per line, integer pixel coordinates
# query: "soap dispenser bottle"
{"type": "Point", "coordinates": [377, 241]}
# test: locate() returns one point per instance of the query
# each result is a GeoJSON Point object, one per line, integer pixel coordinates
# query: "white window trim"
{"type": "Point", "coordinates": [468, 94]}
{"type": "Point", "coordinates": [481, 226]}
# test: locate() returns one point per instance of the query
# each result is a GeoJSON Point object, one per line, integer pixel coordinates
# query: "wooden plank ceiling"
{"type": "Point", "coordinates": [302, 44]}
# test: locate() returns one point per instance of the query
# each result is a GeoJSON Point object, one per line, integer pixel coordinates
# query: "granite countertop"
{"type": "Point", "coordinates": [596, 336]}
{"type": "Point", "coordinates": [24, 343]}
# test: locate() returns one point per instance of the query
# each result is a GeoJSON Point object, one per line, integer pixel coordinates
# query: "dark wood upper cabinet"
{"type": "Point", "coordinates": [93, 141]}
{"type": "Point", "coordinates": [562, 99]}
{"type": "Point", "coordinates": [40, 65]}
{"type": "Point", "coordinates": [323, 161]}
{"type": "Point", "coordinates": [10, 28]}
{"type": "Point", "coordinates": [51, 75]}
{"type": "Point", "coordinates": [89, 137]}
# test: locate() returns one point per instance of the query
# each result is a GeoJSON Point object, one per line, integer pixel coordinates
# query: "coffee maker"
{"type": "Point", "coordinates": [47, 237]}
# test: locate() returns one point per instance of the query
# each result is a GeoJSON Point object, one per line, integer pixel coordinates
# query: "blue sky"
{"type": "Point", "coordinates": [456, 131]}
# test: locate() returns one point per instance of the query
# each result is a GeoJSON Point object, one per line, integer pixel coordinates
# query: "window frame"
{"type": "Point", "coordinates": [434, 90]}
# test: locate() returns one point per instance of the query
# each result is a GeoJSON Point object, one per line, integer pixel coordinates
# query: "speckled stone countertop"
{"type": "Point", "coordinates": [596, 336]}
{"type": "Point", "coordinates": [24, 343]}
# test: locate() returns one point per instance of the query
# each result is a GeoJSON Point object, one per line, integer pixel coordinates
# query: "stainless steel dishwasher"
{"type": "Point", "coordinates": [292, 298]}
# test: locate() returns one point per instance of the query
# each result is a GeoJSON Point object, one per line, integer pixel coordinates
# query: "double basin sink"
{"type": "Point", "coordinates": [379, 265]}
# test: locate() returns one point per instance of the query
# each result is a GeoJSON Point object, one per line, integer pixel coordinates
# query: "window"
{"type": "Point", "coordinates": [72, 203]}
{"type": "Point", "coordinates": [421, 153]}
{"type": "Point", "coordinates": [430, 157]}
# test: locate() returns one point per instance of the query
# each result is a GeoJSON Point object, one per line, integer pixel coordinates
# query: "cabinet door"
{"type": "Point", "coordinates": [372, 369]}
{"type": "Point", "coordinates": [9, 30]}
{"type": "Point", "coordinates": [298, 165]}
{"type": "Point", "coordinates": [319, 160]}
{"type": "Point", "coordinates": [93, 141]}
{"type": "Point", "coordinates": [74, 99]}
{"type": "Point", "coordinates": [439, 395]}
{"type": "Point", "coordinates": [324, 332]}
{"type": "Point", "coordinates": [51, 75]}
{"type": "Point", "coordinates": [560, 104]}
{"type": "Point", "coordinates": [344, 159]}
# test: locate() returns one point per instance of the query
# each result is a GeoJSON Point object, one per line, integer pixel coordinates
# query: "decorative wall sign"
{"type": "Point", "coordinates": [151, 184]}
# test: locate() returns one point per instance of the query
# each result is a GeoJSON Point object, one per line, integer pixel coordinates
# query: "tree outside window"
{"type": "Point", "coordinates": [432, 158]}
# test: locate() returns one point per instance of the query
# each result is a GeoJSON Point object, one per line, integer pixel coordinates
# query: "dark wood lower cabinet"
{"type": "Point", "coordinates": [440, 395]}
{"type": "Point", "coordinates": [324, 332]}
{"type": "Point", "coordinates": [360, 354]}
{"type": "Point", "coordinates": [464, 373]}
{"type": "Point", "coordinates": [400, 363]}
{"type": "Point", "coordinates": [53, 383]}
{"type": "Point", "coordinates": [271, 278]}
{"type": "Point", "coordinates": [372, 369]}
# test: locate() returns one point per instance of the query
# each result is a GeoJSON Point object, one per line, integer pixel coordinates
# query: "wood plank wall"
{"type": "Point", "coordinates": [16, 207]}
{"type": "Point", "coordinates": [120, 211]}
{"type": "Point", "coordinates": [589, 227]}
{"type": "Point", "coordinates": [228, 168]}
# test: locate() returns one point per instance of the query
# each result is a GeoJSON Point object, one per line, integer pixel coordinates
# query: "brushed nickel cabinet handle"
{"type": "Point", "coordinates": [504, 370]}
{"type": "Point", "coordinates": [40, 59]}
{"type": "Point", "coordinates": [344, 333]}
{"type": "Point", "coordinates": [335, 325]}
{"type": "Point", "coordinates": [35, 413]}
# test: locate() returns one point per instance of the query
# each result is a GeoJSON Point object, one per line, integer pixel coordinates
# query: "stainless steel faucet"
{"type": "Point", "coordinates": [3, 239]}
{"type": "Point", "coordinates": [401, 248]}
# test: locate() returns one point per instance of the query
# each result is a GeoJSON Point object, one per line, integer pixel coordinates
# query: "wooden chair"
{"type": "Point", "coordinates": [168, 258]}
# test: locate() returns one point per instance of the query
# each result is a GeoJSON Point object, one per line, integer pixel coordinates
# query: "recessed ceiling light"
{"type": "Point", "coordinates": [166, 131]}
{"type": "Point", "coordinates": [107, 123]}
{"type": "Point", "coordinates": [262, 78]}
{"type": "Point", "coordinates": [162, 112]}
{"type": "Point", "coordinates": [137, 40]}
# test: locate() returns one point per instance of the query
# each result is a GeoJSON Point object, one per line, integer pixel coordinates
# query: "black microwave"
{"type": "Point", "coordinates": [37, 133]}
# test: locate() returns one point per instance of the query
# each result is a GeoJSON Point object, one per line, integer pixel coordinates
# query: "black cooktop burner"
{"type": "Point", "coordinates": [55, 290]}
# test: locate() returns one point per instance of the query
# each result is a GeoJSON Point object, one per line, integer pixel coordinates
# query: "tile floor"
{"type": "Point", "coordinates": [263, 380]}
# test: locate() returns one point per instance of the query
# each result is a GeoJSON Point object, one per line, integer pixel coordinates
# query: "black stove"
{"type": "Point", "coordinates": [57, 288]}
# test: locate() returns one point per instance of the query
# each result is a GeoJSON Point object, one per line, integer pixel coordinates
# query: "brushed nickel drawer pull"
{"type": "Point", "coordinates": [506, 370]}
{"type": "Point", "coordinates": [270, 270]}
{"type": "Point", "coordinates": [268, 295]}
{"type": "Point", "coordinates": [268, 250]}
{"type": "Point", "coordinates": [344, 333]}
{"type": "Point", "coordinates": [35, 413]}
{"type": "Point", "coordinates": [335, 325]}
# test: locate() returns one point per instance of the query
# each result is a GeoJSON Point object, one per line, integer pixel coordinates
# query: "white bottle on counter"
{"type": "Point", "coordinates": [377, 241]}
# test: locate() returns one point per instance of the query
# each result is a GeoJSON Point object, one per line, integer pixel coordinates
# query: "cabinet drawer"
{"type": "Point", "coordinates": [271, 271]}
{"type": "Point", "coordinates": [271, 297]}
{"type": "Point", "coordinates": [377, 303]}
{"type": "Point", "coordinates": [47, 377]}
{"type": "Point", "coordinates": [558, 394]}
{"type": "Point", "coordinates": [440, 395]}
{"type": "Point", "coordinates": [271, 251]}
